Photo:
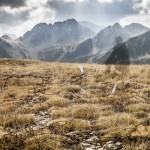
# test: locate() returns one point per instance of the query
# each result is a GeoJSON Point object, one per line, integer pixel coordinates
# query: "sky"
{"type": "Point", "coordinates": [19, 16]}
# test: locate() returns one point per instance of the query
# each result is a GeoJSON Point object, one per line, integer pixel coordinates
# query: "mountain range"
{"type": "Point", "coordinates": [73, 41]}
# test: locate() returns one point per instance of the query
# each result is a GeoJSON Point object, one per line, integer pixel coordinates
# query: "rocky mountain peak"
{"type": "Point", "coordinates": [6, 37]}
{"type": "Point", "coordinates": [117, 27]}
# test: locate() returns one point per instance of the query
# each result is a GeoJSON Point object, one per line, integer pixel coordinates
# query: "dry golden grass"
{"type": "Point", "coordinates": [117, 125]}
{"type": "Point", "coordinates": [15, 121]}
{"type": "Point", "coordinates": [57, 101]}
{"type": "Point", "coordinates": [32, 92]}
{"type": "Point", "coordinates": [120, 120]}
{"type": "Point", "coordinates": [65, 125]}
{"type": "Point", "coordinates": [82, 111]}
{"type": "Point", "coordinates": [36, 108]}
{"type": "Point", "coordinates": [47, 141]}
{"type": "Point", "coordinates": [139, 107]}
{"type": "Point", "coordinates": [7, 108]}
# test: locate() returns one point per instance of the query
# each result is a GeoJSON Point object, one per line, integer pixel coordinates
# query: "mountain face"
{"type": "Point", "coordinates": [95, 28]}
{"type": "Point", "coordinates": [135, 51]}
{"type": "Point", "coordinates": [69, 41]}
{"type": "Point", "coordinates": [106, 39]}
{"type": "Point", "coordinates": [84, 51]}
{"type": "Point", "coordinates": [139, 48]}
{"type": "Point", "coordinates": [11, 49]}
{"type": "Point", "coordinates": [71, 53]}
{"type": "Point", "coordinates": [136, 29]}
{"type": "Point", "coordinates": [3, 52]}
{"type": "Point", "coordinates": [60, 33]}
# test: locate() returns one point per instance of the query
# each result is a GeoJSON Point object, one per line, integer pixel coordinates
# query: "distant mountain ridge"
{"type": "Point", "coordinates": [137, 49]}
{"type": "Point", "coordinates": [60, 33]}
{"type": "Point", "coordinates": [103, 41]}
{"type": "Point", "coordinates": [69, 41]}
{"type": "Point", "coordinates": [136, 29]}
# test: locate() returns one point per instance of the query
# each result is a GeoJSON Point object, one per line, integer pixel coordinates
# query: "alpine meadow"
{"type": "Point", "coordinates": [75, 75]}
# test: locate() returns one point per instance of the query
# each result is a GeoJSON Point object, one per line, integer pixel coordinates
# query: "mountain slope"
{"type": "Point", "coordinates": [136, 29]}
{"type": "Point", "coordinates": [60, 33]}
{"type": "Point", "coordinates": [106, 38]}
{"type": "Point", "coordinates": [9, 48]}
{"type": "Point", "coordinates": [84, 51]}
{"type": "Point", "coordinates": [135, 50]}
{"type": "Point", "coordinates": [3, 52]}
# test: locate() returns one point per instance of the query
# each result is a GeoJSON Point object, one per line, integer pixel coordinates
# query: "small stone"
{"type": "Point", "coordinates": [89, 148]}
{"type": "Point", "coordinates": [73, 133]}
{"type": "Point", "coordinates": [118, 144]}
{"type": "Point", "coordinates": [93, 147]}
{"type": "Point", "coordinates": [93, 133]}
{"type": "Point", "coordinates": [110, 142]}
{"type": "Point", "coordinates": [94, 138]}
{"type": "Point", "coordinates": [110, 145]}
{"type": "Point", "coordinates": [86, 145]}
{"type": "Point", "coordinates": [98, 144]}
{"type": "Point", "coordinates": [41, 113]}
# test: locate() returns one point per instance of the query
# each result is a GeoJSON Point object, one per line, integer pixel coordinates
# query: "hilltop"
{"type": "Point", "coordinates": [50, 106]}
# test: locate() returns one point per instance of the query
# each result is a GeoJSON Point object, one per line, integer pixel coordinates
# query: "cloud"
{"type": "Point", "coordinates": [14, 18]}
{"type": "Point", "coordinates": [143, 6]}
{"type": "Point", "coordinates": [143, 15]}
{"type": "Point", "coordinates": [13, 3]}
{"type": "Point", "coordinates": [8, 18]}
{"type": "Point", "coordinates": [140, 18]}
{"type": "Point", "coordinates": [98, 11]}
{"type": "Point", "coordinates": [20, 20]}
{"type": "Point", "coordinates": [63, 8]}
{"type": "Point", "coordinates": [105, 1]}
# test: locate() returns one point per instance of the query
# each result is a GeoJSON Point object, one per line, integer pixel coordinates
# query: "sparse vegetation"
{"type": "Point", "coordinates": [43, 103]}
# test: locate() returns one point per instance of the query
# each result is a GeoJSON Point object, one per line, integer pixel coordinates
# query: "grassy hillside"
{"type": "Point", "coordinates": [50, 106]}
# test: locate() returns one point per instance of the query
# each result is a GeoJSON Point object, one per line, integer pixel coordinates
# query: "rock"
{"type": "Point", "coordinates": [93, 138]}
{"type": "Point", "coordinates": [73, 133]}
{"type": "Point", "coordinates": [89, 140]}
{"type": "Point", "coordinates": [110, 145]}
{"type": "Point", "coordinates": [85, 145]}
{"type": "Point", "coordinates": [41, 113]}
{"type": "Point", "coordinates": [110, 142]}
{"type": "Point", "coordinates": [35, 128]}
{"type": "Point", "coordinates": [93, 133]}
{"type": "Point", "coordinates": [118, 144]}
{"type": "Point", "coordinates": [89, 148]}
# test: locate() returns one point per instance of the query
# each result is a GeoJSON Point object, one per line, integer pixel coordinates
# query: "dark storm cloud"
{"type": "Point", "coordinates": [65, 9]}
{"type": "Point", "coordinates": [13, 3]}
{"type": "Point", "coordinates": [7, 18]}
{"type": "Point", "coordinates": [93, 10]}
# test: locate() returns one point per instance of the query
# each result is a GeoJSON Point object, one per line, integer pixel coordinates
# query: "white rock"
{"type": "Point", "coordinates": [110, 142]}
{"type": "Point", "coordinates": [85, 145]}
{"type": "Point", "coordinates": [89, 148]}
{"type": "Point", "coordinates": [118, 144]}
